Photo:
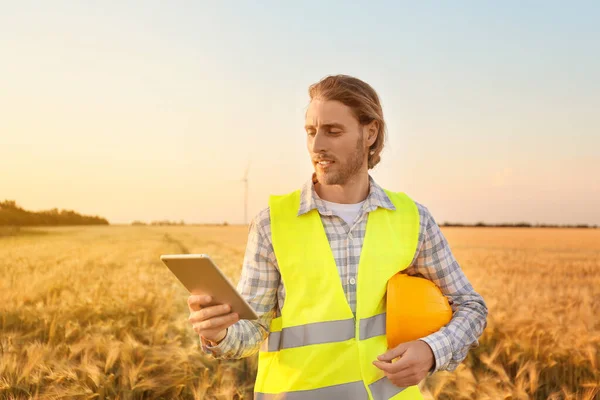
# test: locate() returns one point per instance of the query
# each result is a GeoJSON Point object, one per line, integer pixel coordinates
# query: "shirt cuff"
{"type": "Point", "coordinates": [442, 350]}
{"type": "Point", "coordinates": [225, 346]}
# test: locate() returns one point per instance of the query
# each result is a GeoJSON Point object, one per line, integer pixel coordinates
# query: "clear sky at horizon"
{"type": "Point", "coordinates": [152, 110]}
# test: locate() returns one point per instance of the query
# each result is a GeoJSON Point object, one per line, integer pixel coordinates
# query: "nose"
{"type": "Point", "coordinates": [318, 142]}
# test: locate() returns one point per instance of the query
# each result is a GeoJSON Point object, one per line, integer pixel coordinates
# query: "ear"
{"type": "Point", "coordinates": [372, 131]}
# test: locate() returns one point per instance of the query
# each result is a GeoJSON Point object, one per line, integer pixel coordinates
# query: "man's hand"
{"type": "Point", "coordinates": [416, 359]}
{"type": "Point", "coordinates": [210, 322]}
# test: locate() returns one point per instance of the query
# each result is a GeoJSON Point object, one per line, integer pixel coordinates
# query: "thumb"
{"type": "Point", "coordinates": [393, 353]}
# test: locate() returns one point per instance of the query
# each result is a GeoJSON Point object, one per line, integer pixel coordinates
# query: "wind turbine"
{"type": "Point", "coordinates": [245, 180]}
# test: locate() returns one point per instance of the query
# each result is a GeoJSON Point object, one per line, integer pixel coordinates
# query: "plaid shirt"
{"type": "Point", "coordinates": [261, 286]}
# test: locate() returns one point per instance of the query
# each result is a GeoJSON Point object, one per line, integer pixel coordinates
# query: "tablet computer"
{"type": "Point", "coordinates": [200, 275]}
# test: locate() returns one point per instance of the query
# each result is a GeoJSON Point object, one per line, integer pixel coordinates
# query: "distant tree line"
{"type": "Point", "coordinates": [181, 222]}
{"type": "Point", "coordinates": [449, 224]}
{"type": "Point", "coordinates": [159, 223]}
{"type": "Point", "coordinates": [13, 215]}
{"type": "Point", "coordinates": [520, 225]}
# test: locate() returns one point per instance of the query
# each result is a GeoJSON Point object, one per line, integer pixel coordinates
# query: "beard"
{"type": "Point", "coordinates": [343, 172]}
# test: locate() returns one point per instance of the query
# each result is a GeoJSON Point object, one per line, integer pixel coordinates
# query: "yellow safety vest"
{"type": "Point", "coordinates": [317, 349]}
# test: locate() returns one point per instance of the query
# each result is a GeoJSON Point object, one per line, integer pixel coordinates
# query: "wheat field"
{"type": "Point", "coordinates": [92, 313]}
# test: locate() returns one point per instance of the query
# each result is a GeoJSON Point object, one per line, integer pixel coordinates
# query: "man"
{"type": "Point", "coordinates": [316, 267]}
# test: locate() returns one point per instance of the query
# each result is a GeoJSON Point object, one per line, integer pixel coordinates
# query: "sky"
{"type": "Point", "coordinates": [153, 110]}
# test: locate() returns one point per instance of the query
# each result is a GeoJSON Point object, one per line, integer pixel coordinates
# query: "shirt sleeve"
{"type": "Point", "coordinates": [258, 285]}
{"type": "Point", "coordinates": [434, 261]}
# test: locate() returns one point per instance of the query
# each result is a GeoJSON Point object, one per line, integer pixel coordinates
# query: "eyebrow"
{"type": "Point", "coordinates": [330, 125]}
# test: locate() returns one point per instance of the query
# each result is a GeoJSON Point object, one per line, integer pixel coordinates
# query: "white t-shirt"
{"type": "Point", "coordinates": [348, 212]}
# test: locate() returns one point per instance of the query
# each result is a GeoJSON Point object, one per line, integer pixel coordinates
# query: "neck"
{"type": "Point", "coordinates": [352, 192]}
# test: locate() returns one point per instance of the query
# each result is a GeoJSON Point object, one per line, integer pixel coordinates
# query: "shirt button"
{"type": "Point", "coordinates": [352, 281]}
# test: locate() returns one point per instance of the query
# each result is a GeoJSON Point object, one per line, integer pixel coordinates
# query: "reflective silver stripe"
{"type": "Point", "coordinates": [346, 391]}
{"type": "Point", "coordinates": [273, 341]}
{"type": "Point", "coordinates": [324, 332]}
{"type": "Point", "coordinates": [316, 333]}
{"type": "Point", "coordinates": [384, 389]}
{"type": "Point", "coordinates": [381, 389]}
{"type": "Point", "coordinates": [372, 326]}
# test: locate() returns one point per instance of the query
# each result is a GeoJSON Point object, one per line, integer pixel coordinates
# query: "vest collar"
{"type": "Point", "coordinates": [310, 200]}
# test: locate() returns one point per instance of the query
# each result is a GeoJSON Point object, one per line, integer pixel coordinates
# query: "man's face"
{"type": "Point", "coordinates": [335, 141]}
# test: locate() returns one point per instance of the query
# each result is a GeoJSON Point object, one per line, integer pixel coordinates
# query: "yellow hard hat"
{"type": "Point", "coordinates": [415, 308]}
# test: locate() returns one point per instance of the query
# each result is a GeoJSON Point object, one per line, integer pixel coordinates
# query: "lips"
{"type": "Point", "coordinates": [323, 160]}
{"type": "Point", "coordinates": [324, 165]}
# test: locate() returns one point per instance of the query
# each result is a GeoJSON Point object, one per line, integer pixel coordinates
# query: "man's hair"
{"type": "Point", "coordinates": [361, 98]}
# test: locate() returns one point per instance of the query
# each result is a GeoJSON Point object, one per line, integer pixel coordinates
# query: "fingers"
{"type": "Point", "coordinates": [209, 312]}
{"type": "Point", "coordinates": [384, 366]}
{"type": "Point", "coordinates": [216, 323]}
{"type": "Point", "coordinates": [400, 374]}
{"type": "Point", "coordinates": [215, 328]}
{"type": "Point", "coordinates": [404, 360]}
{"type": "Point", "coordinates": [393, 367]}
{"type": "Point", "coordinates": [210, 321]}
{"type": "Point", "coordinates": [396, 352]}
{"type": "Point", "coordinates": [405, 378]}
{"type": "Point", "coordinates": [196, 302]}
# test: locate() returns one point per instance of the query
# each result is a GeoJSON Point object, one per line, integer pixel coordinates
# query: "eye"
{"type": "Point", "coordinates": [310, 132]}
{"type": "Point", "coordinates": [335, 132]}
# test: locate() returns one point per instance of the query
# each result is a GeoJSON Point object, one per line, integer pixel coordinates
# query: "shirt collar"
{"type": "Point", "coordinates": [310, 200]}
